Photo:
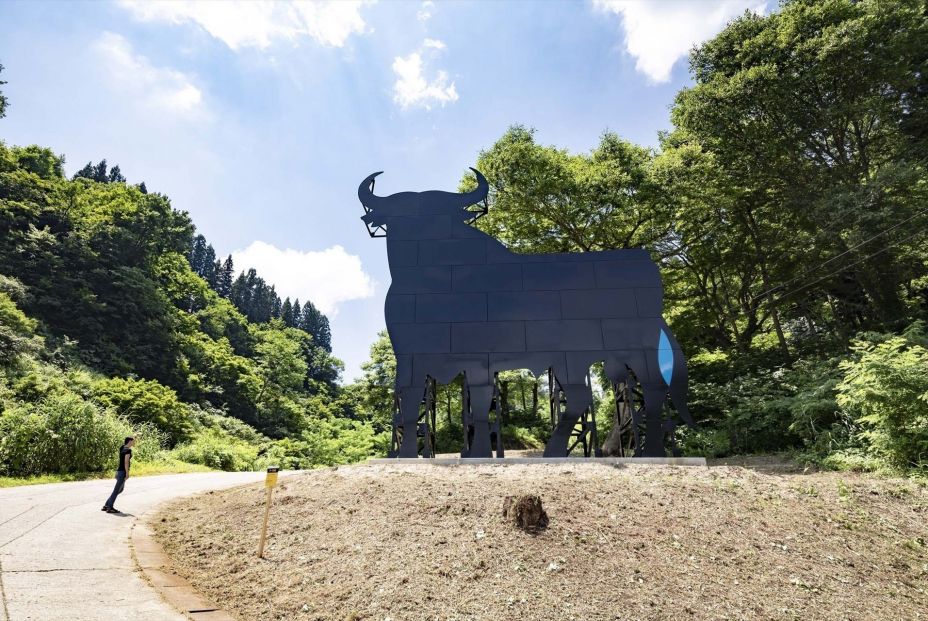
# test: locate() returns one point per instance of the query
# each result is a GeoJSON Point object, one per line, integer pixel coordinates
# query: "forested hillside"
{"type": "Point", "coordinates": [112, 319]}
{"type": "Point", "coordinates": [788, 210]}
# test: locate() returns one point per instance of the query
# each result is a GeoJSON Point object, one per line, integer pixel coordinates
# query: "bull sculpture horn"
{"type": "Point", "coordinates": [365, 195]}
{"type": "Point", "coordinates": [370, 200]}
{"type": "Point", "coordinates": [475, 196]}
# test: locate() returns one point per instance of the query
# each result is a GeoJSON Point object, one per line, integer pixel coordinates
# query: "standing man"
{"type": "Point", "coordinates": [122, 473]}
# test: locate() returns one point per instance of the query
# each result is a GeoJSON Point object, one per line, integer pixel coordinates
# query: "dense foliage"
{"type": "Point", "coordinates": [105, 327]}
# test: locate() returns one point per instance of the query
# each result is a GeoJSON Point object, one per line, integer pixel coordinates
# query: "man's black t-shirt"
{"type": "Point", "coordinates": [123, 451]}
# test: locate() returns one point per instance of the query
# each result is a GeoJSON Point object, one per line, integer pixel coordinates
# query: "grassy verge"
{"type": "Point", "coordinates": [140, 469]}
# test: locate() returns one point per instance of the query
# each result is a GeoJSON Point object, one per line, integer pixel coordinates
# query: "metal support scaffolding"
{"type": "Point", "coordinates": [584, 432]}
{"type": "Point", "coordinates": [629, 420]}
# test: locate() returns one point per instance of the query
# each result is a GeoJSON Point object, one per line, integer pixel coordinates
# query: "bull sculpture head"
{"type": "Point", "coordinates": [379, 210]}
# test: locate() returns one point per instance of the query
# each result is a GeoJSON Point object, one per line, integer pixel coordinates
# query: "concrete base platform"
{"type": "Point", "coordinates": [511, 461]}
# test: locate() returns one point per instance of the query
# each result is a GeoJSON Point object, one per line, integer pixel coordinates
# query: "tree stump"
{"type": "Point", "coordinates": [525, 512]}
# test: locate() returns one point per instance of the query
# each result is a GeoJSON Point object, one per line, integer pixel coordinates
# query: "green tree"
{"type": "Point", "coordinates": [544, 199]}
{"type": "Point", "coordinates": [225, 279]}
{"type": "Point", "coordinates": [806, 119]}
{"type": "Point", "coordinates": [375, 387]}
{"type": "Point", "coordinates": [286, 313]}
{"type": "Point", "coordinates": [316, 324]}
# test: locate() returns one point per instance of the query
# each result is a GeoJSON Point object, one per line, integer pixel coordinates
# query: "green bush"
{"type": "Point", "coordinates": [885, 391]}
{"type": "Point", "coordinates": [332, 441]}
{"type": "Point", "coordinates": [206, 416]}
{"type": "Point", "coordinates": [145, 401]}
{"type": "Point", "coordinates": [60, 434]}
{"type": "Point", "coordinates": [704, 442]}
{"type": "Point", "coordinates": [218, 450]}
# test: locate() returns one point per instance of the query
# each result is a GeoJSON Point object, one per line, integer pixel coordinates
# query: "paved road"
{"type": "Point", "coordinates": [61, 558]}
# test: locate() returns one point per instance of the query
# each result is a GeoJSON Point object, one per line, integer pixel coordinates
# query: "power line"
{"type": "Point", "coordinates": [838, 256]}
{"type": "Point", "coordinates": [829, 275]}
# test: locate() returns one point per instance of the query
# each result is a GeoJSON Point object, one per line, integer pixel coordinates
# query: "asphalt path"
{"type": "Point", "coordinates": [61, 558]}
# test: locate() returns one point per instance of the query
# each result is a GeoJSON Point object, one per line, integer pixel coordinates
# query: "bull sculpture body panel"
{"type": "Point", "coordinates": [461, 302]}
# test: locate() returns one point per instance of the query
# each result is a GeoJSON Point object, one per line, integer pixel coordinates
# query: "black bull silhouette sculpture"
{"type": "Point", "coordinates": [461, 302]}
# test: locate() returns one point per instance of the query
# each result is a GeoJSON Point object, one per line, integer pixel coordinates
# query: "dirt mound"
{"type": "Point", "coordinates": [636, 542]}
{"type": "Point", "coordinates": [526, 512]}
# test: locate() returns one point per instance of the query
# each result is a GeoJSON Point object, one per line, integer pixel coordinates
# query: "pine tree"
{"type": "Point", "coordinates": [317, 324]}
{"type": "Point", "coordinates": [286, 312]}
{"type": "Point", "coordinates": [142, 188]}
{"type": "Point", "coordinates": [86, 172]}
{"type": "Point", "coordinates": [99, 172]}
{"type": "Point", "coordinates": [241, 294]}
{"type": "Point", "coordinates": [208, 267]}
{"type": "Point", "coordinates": [115, 175]}
{"type": "Point", "coordinates": [197, 254]}
{"type": "Point", "coordinates": [224, 283]}
{"type": "Point", "coordinates": [297, 314]}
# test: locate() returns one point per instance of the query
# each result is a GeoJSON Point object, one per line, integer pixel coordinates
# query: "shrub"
{"type": "Point", "coordinates": [145, 401]}
{"type": "Point", "coordinates": [885, 391]}
{"type": "Point", "coordinates": [219, 450]}
{"type": "Point", "coordinates": [703, 442]}
{"type": "Point", "coordinates": [206, 416]}
{"type": "Point", "coordinates": [59, 434]}
{"type": "Point", "coordinates": [333, 441]}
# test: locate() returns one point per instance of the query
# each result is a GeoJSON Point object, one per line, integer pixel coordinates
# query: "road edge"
{"type": "Point", "coordinates": [157, 570]}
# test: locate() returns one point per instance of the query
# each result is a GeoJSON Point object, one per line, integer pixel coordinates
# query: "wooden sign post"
{"type": "Point", "coordinates": [270, 480]}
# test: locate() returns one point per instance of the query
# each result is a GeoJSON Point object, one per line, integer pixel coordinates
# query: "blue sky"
{"type": "Point", "coordinates": [261, 119]}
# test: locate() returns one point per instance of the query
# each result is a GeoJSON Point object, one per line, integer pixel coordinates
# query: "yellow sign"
{"type": "Point", "coordinates": [270, 480]}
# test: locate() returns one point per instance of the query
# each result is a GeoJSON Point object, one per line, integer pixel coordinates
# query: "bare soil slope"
{"type": "Point", "coordinates": [637, 542]}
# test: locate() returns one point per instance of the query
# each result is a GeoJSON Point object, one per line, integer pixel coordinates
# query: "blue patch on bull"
{"type": "Point", "coordinates": [665, 357]}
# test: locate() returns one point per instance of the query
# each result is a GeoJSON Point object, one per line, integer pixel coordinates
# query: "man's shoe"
{"type": "Point", "coordinates": [113, 510]}
{"type": "Point", "coordinates": [105, 508]}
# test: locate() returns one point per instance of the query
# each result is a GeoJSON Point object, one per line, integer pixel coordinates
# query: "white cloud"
{"type": "Point", "coordinates": [658, 34]}
{"type": "Point", "coordinates": [425, 11]}
{"type": "Point", "coordinates": [159, 88]}
{"type": "Point", "coordinates": [326, 277]}
{"type": "Point", "coordinates": [259, 23]}
{"type": "Point", "coordinates": [412, 89]}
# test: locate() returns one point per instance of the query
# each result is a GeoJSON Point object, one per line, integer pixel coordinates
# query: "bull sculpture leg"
{"type": "Point", "coordinates": [481, 397]}
{"type": "Point", "coordinates": [410, 398]}
{"type": "Point", "coordinates": [579, 398]}
{"type": "Point", "coordinates": [655, 393]}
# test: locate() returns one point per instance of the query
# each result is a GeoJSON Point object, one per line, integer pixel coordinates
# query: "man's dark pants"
{"type": "Point", "coordinates": [120, 485]}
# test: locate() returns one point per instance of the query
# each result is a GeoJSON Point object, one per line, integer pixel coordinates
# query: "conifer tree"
{"type": "Point", "coordinates": [115, 175]}
{"type": "Point", "coordinates": [197, 254]}
{"type": "Point", "coordinates": [316, 324]}
{"type": "Point", "coordinates": [286, 312]}
{"type": "Point", "coordinates": [208, 268]}
{"type": "Point", "coordinates": [224, 281]}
